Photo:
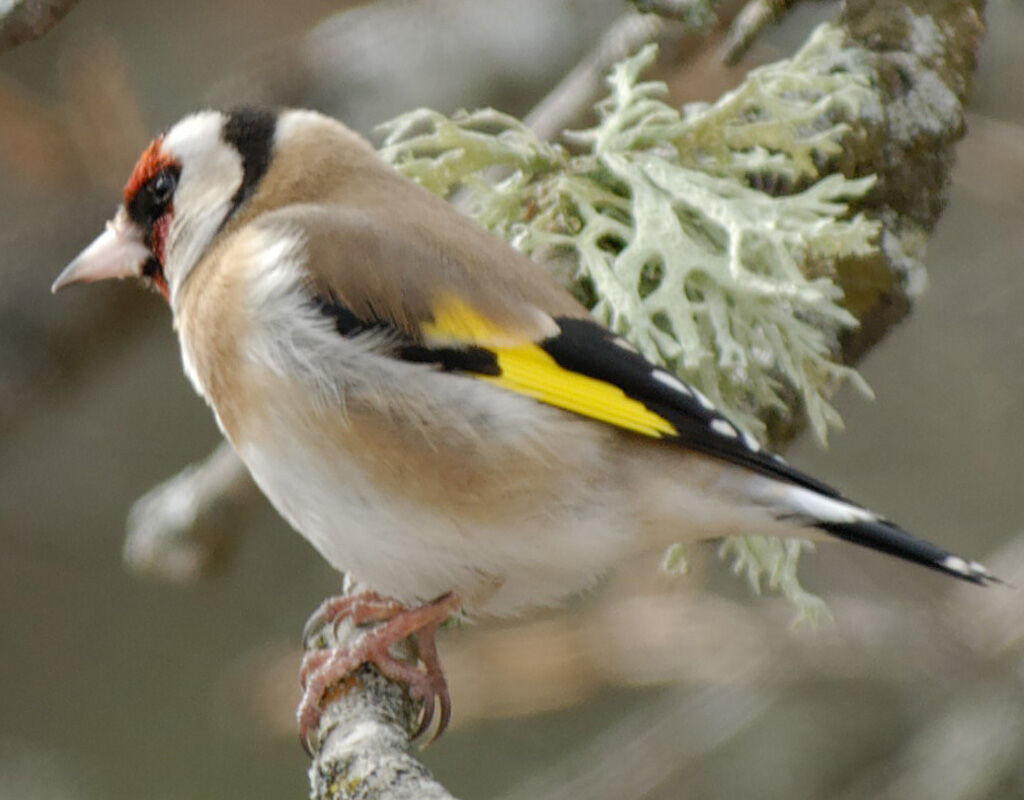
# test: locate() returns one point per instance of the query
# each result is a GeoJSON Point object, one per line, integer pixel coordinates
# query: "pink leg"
{"type": "Point", "coordinates": [322, 669]}
{"type": "Point", "coordinates": [336, 609]}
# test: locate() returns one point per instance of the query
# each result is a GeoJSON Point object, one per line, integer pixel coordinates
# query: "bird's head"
{"type": "Point", "coordinates": [183, 191]}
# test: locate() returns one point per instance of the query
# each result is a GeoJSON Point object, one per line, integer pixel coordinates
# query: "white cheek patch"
{"type": "Point", "coordinates": [210, 176]}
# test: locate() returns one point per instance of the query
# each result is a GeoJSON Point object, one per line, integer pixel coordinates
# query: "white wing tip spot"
{"type": "Point", "coordinates": [980, 569]}
{"type": "Point", "coordinates": [957, 564]}
{"type": "Point", "coordinates": [971, 569]}
{"type": "Point", "coordinates": [751, 443]}
{"type": "Point", "coordinates": [720, 426]}
{"type": "Point", "coordinates": [704, 400]}
{"type": "Point", "coordinates": [672, 382]}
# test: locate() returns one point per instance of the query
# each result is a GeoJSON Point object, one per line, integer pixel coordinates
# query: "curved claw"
{"type": "Point", "coordinates": [426, 717]}
{"type": "Point", "coordinates": [427, 648]}
{"type": "Point", "coordinates": [323, 668]}
{"type": "Point", "coordinates": [446, 717]}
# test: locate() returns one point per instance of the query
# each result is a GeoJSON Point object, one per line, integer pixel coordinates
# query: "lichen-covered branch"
{"type": "Point", "coordinates": [921, 54]}
{"type": "Point", "coordinates": [364, 752]}
{"type": "Point", "coordinates": [707, 236]}
{"type": "Point", "coordinates": [362, 748]}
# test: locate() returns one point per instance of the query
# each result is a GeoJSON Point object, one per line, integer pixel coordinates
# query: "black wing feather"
{"type": "Point", "coordinates": [590, 349]}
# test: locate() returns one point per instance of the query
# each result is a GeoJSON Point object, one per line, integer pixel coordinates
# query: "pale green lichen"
{"type": "Point", "coordinates": [670, 239]}
{"type": "Point", "coordinates": [774, 561]}
{"type": "Point", "coordinates": [676, 559]}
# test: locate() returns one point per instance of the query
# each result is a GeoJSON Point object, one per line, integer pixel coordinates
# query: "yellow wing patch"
{"type": "Point", "coordinates": [457, 323]}
{"type": "Point", "coordinates": [528, 370]}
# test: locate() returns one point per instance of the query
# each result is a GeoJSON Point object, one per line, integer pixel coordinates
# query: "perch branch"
{"type": "Point", "coordinates": [365, 746]}
{"type": "Point", "coordinates": [363, 740]}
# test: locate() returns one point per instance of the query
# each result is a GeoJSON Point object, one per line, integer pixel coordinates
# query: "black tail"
{"type": "Point", "coordinates": [888, 538]}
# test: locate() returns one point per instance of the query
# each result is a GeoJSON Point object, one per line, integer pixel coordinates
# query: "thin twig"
{"type": "Point", "coordinates": [577, 90]}
{"type": "Point", "coordinates": [754, 18]}
{"type": "Point", "coordinates": [695, 13]}
{"type": "Point", "coordinates": [182, 527]}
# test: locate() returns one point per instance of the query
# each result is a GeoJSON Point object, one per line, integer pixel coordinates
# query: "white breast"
{"type": "Point", "coordinates": [416, 546]}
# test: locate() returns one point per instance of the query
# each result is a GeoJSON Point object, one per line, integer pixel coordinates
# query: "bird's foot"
{"type": "Point", "coordinates": [361, 608]}
{"type": "Point", "coordinates": [391, 623]}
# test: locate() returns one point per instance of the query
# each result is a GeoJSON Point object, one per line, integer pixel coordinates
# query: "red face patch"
{"type": "Point", "coordinates": [152, 160]}
{"type": "Point", "coordinates": [158, 238]}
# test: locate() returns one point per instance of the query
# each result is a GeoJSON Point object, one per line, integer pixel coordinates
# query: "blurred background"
{"type": "Point", "coordinates": [115, 686]}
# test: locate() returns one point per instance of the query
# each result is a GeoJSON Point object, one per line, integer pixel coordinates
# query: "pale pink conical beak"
{"type": "Point", "coordinates": [118, 252]}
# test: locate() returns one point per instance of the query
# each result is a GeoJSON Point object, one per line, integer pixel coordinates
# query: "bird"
{"type": "Point", "coordinates": [445, 423]}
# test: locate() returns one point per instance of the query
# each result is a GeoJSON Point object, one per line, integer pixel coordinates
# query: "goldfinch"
{"type": "Point", "coordinates": [427, 406]}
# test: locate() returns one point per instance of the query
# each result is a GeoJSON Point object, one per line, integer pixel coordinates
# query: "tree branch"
{"type": "Point", "coordinates": [365, 746]}
{"type": "Point", "coordinates": [185, 526]}
{"type": "Point", "coordinates": [679, 26]}
{"type": "Point", "coordinates": [922, 56]}
{"type": "Point", "coordinates": [748, 25]}
{"type": "Point", "coordinates": [363, 740]}
{"type": "Point", "coordinates": [25, 20]}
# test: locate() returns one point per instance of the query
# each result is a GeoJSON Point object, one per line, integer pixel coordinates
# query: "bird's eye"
{"type": "Point", "coordinates": [153, 197]}
{"type": "Point", "coordinates": [161, 187]}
